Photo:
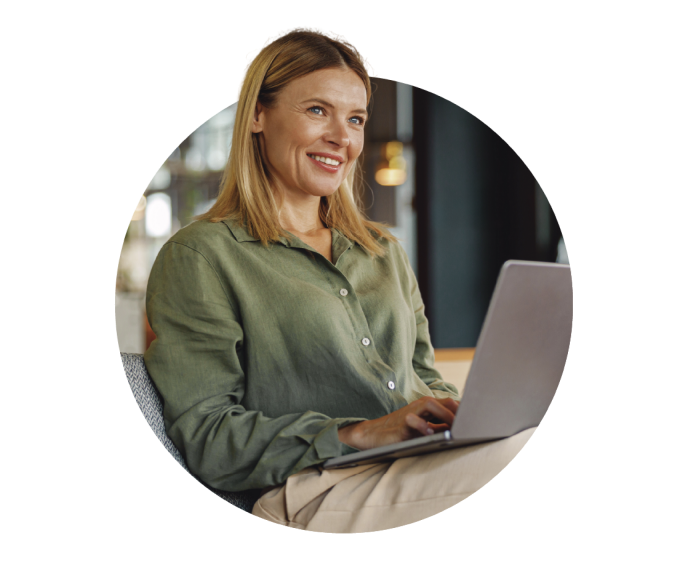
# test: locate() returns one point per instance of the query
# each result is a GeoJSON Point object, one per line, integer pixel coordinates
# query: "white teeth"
{"type": "Point", "coordinates": [324, 160]}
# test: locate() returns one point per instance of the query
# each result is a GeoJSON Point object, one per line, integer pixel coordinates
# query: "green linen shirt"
{"type": "Point", "coordinates": [263, 353]}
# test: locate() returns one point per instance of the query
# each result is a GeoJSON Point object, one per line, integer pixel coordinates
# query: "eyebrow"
{"type": "Point", "coordinates": [330, 105]}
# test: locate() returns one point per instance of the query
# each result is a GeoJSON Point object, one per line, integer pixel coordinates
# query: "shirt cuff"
{"type": "Point", "coordinates": [327, 444]}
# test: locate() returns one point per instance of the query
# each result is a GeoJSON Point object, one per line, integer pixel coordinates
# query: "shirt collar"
{"type": "Point", "coordinates": [340, 243]}
{"type": "Point", "coordinates": [239, 231]}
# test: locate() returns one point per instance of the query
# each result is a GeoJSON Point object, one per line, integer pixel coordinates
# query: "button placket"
{"type": "Point", "coordinates": [344, 292]}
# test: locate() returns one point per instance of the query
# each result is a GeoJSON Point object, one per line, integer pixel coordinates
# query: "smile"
{"type": "Point", "coordinates": [326, 163]}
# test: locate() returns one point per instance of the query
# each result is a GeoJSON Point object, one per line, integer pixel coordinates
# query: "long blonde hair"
{"type": "Point", "coordinates": [245, 192]}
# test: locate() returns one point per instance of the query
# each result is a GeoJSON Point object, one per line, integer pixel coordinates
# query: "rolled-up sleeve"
{"type": "Point", "coordinates": [196, 364]}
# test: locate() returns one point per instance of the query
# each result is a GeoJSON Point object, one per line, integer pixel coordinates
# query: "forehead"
{"type": "Point", "coordinates": [341, 87]}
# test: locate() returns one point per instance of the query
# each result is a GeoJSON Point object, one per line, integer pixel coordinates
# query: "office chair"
{"type": "Point", "coordinates": [150, 403]}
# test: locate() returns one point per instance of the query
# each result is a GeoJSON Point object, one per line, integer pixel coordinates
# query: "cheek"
{"type": "Point", "coordinates": [356, 148]}
{"type": "Point", "coordinates": [349, 166]}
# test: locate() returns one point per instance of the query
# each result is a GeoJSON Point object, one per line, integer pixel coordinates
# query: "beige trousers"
{"type": "Point", "coordinates": [386, 495]}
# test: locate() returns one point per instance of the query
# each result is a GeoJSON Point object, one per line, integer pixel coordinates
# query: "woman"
{"type": "Point", "coordinates": [290, 329]}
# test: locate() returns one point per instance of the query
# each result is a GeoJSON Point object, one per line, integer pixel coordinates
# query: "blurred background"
{"type": "Point", "coordinates": [459, 199]}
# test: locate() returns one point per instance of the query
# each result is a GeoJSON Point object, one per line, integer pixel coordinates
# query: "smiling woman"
{"type": "Point", "coordinates": [311, 138]}
{"type": "Point", "coordinates": [304, 93]}
{"type": "Point", "coordinates": [290, 328]}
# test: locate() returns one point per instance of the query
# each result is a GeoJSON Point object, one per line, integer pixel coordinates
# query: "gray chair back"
{"type": "Point", "coordinates": [150, 403]}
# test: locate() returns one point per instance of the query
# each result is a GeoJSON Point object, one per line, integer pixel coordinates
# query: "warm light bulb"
{"type": "Point", "coordinates": [397, 163]}
{"type": "Point", "coordinates": [391, 170]}
{"type": "Point", "coordinates": [393, 149]}
{"type": "Point", "coordinates": [389, 176]}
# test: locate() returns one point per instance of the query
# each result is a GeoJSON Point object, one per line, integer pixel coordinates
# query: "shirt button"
{"type": "Point", "coordinates": [365, 341]}
{"type": "Point", "coordinates": [390, 384]}
{"type": "Point", "coordinates": [343, 291]}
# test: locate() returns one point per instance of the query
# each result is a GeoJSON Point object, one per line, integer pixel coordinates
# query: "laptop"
{"type": "Point", "coordinates": [516, 369]}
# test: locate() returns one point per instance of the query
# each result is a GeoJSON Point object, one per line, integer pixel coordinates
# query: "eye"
{"type": "Point", "coordinates": [358, 120]}
{"type": "Point", "coordinates": [317, 110]}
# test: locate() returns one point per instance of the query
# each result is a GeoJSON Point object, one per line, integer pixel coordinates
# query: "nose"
{"type": "Point", "coordinates": [338, 133]}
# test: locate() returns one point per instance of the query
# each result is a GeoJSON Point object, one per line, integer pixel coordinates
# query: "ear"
{"type": "Point", "coordinates": [258, 119]}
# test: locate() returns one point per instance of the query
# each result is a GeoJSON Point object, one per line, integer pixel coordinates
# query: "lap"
{"type": "Point", "coordinates": [386, 495]}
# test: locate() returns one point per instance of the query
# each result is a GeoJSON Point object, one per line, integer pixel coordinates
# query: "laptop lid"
{"type": "Point", "coordinates": [517, 365]}
{"type": "Point", "coordinates": [520, 354]}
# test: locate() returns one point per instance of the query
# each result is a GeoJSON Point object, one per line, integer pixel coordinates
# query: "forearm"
{"type": "Point", "coordinates": [233, 449]}
{"type": "Point", "coordinates": [351, 435]}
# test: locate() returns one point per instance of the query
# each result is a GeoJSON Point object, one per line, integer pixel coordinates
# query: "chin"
{"type": "Point", "coordinates": [329, 192]}
{"type": "Point", "coordinates": [320, 191]}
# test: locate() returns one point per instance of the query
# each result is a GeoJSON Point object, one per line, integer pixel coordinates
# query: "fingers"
{"type": "Point", "coordinates": [419, 425]}
{"type": "Point", "coordinates": [438, 427]}
{"type": "Point", "coordinates": [449, 403]}
{"type": "Point", "coordinates": [424, 427]}
{"type": "Point", "coordinates": [437, 409]}
{"type": "Point", "coordinates": [440, 411]}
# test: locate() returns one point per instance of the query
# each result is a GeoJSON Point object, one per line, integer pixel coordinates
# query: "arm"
{"type": "Point", "coordinates": [196, 365]}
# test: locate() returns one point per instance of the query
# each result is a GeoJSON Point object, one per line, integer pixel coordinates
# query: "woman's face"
{"type": "Point", "coordinates": [317, 117]}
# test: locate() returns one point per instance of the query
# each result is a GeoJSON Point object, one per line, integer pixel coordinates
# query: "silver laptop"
{"type": "Point", "coordinates": [517, 365]}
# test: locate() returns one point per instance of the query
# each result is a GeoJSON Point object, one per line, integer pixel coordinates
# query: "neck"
{"type": "Point", "coordinates": [305, 232]}
{"type": "Point", "coordinates": [296, 221]}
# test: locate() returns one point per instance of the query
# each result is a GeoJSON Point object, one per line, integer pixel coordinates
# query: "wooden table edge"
{"type": "Point", "coordinates": [455, 354]}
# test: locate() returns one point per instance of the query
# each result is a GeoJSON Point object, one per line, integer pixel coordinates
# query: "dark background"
{"type": "Point", "coordinates": [476, 203]}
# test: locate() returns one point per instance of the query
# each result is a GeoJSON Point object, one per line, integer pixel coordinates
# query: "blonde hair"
{"type": "Point", "coordinates": [245, 192]}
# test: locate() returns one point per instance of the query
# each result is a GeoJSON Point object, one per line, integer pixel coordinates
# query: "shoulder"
{"type": "Point", "coordinates": [388, 241]}
{"type": "Point", "coordinates": [203, 236]}
{"type": "Point", "coordinates": [394, 256]}
{"type": "Point", "coordinates": [384, 238]}
{"type": "Point", "coordinates": [379, 232]}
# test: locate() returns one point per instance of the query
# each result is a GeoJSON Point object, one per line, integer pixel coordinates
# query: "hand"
{"type": "Point", "coordinates": [422, 417]}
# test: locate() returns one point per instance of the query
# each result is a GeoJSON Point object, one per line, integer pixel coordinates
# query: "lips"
{"type": "Point", "coordinates": [326, 167]}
